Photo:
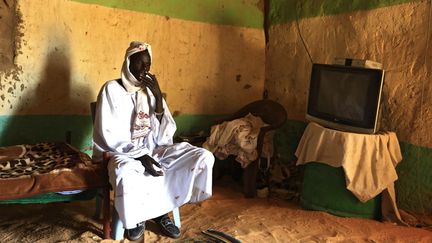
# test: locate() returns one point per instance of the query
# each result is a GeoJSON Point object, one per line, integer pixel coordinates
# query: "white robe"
{"type": "Point", "coordinates": [138, 195]}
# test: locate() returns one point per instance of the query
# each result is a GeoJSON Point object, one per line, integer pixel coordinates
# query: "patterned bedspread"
{"type": "Point", "coordinates": [31, 169]}
{"type": "Point", "coordinates": [31, 159]}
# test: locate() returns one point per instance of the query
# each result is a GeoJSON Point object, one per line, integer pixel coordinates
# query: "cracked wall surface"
{"type": "Point", "coordinates": [8, 21]}
{"type": "Point", "coordinates": [10, 43]}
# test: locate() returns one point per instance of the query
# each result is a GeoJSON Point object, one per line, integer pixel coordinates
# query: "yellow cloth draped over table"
{"type": "Point", "coordinates": [369, 160]}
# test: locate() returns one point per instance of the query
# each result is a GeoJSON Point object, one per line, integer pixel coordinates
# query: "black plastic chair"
{"type": "Point", "coordinates": [272, 113]}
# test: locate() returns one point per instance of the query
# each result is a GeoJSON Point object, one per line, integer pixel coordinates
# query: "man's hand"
{"type": "Point", "coordinates": [148, 163]}
{"type": "Point", "coordinates": [152, 83]}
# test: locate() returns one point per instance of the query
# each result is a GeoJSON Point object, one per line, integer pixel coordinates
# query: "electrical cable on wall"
{"type": "Point", "coordinates": [299, 32]}
{"type": "Point", "coordinates": [425, 61]}
{"type": "Point", "coordinates": [428, 33]}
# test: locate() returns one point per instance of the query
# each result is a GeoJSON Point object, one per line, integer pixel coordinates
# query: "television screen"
{"type": "Point", "coordinates": [345, 97]}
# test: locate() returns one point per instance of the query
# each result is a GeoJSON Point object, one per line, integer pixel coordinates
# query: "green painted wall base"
{"type": "Point", "coordinates": [287, 138]}
{"type": "Point", "coordinates": [414, 186]}
{"type": "Point", "coordinates": [195, 124]}
{"type": "Point", "coordinates": [52, 128]}
{"type": "Point", "coordinates": [324, 189]}
{"type": "Point", "coordinates": [46, 128]}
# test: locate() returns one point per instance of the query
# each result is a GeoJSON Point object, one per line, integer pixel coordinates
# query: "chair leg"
{"type": "Point", "coordinates": [249, 179]}
{"type": "Point", "coordinates": [99, 200]}
{"type": "Point", "coordinates": [176, 215]}
{"type": "Point", "coordinates": [106, 213]}
{"type": "Point", "coordinates": [117, 226]}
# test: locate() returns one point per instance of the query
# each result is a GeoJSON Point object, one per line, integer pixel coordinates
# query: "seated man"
{"type": "Point", "coordinates": [134, 124]}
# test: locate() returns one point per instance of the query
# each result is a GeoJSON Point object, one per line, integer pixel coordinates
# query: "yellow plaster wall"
{"type": "Point", "coordinates": [68, 50]}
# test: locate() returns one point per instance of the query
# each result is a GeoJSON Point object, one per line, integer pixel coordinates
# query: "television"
{"type": "Point", "coordinates": [345, 98]}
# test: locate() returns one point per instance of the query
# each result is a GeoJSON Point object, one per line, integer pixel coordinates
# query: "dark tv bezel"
{"type": "Point", "coordinates": [341, 123]}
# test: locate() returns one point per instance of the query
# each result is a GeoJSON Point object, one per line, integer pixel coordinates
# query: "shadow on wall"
{"type": "Point", "coordinates": [50, 99]}
{"type": "Point", "coordinates": [235, 84]}
{"type": "Point", "coordinates": [238, 83]}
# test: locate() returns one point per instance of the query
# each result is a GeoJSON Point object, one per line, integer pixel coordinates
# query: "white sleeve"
{"type": "Point", "coordinates": [164, 130]}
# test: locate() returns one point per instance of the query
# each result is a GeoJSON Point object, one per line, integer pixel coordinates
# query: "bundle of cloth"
{"type": "Point", "coordinates": [239, 137]}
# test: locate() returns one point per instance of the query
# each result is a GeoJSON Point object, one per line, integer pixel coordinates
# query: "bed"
{"type": "Point", "coordinates": [51, 172]}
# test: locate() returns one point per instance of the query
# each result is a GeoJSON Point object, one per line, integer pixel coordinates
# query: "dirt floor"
{"type": "Point", "coordinates": [249, 220]}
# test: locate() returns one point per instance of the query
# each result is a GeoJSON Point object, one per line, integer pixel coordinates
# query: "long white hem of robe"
{"type": "Point", "coordinates": [140, 196]}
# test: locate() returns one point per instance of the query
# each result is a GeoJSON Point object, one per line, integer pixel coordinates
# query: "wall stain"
{"type": "Point", "coordinates": [247, 86]}
{"type": "Point", "coordinates": [10, 46]}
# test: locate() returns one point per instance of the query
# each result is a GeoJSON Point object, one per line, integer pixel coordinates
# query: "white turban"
{"type": "Point", "coordinates": [129, 81]}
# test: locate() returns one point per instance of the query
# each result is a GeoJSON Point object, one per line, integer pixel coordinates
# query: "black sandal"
{"type": "Point", "coordinates": [167, 226]}
{"type": "Point", "coordinates": [136, 233]}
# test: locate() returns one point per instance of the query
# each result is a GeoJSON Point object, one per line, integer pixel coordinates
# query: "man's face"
{"type": "Point", "coordinates": [139, 65]}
